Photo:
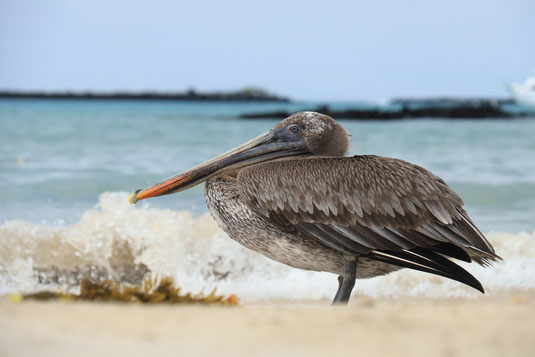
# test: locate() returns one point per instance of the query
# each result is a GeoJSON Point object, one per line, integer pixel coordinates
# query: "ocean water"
{"type": "Point", "coordinates": [66, 169]}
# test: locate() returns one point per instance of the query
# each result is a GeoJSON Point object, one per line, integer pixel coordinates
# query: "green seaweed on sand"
{"type": "Point", "coordinates": [149, 291]}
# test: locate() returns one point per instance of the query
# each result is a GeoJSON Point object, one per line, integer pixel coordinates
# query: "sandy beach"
{"type": "Point", "coordinates": [367, 327]}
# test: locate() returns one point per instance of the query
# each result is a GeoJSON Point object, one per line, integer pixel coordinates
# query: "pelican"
{"type": "Point", "coordinates": [292, 195]}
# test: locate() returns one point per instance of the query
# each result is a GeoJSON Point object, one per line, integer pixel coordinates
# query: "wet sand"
{"type": "Point", "coordinates": [416, 327]}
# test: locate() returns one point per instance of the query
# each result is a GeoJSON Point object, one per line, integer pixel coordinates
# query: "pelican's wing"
{"type": "Point", "coordinates": [366, 205]}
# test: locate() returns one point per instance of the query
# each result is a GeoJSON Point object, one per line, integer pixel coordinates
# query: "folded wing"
{"type": "Point", "coordinates": [384, 208]}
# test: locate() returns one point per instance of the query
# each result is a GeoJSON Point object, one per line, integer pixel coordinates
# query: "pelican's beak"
{"type": "Point", "coordinates": [267, 146]}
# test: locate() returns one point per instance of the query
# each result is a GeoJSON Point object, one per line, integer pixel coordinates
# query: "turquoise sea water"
{"type": "Point", "coordinates": [66, 168]}
{"type": "Point", "coordinates": [58, 156]}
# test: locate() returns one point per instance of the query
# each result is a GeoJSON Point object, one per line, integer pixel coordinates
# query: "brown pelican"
{"type": "Point", "coordinates": [291, 195]}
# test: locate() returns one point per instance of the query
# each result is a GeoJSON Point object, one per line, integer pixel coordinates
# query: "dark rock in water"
{"type": "Point", "coordinates": [266, 115]}
{"type": "Point", "coordinates": [417, 109]}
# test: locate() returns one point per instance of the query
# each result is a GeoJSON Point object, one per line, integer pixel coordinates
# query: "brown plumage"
{"type": "Point", "coordinates": [295, 198]}
{"type": "Point", "coordinates": [396, 205]}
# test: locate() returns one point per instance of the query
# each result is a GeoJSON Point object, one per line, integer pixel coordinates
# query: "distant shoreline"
{"type": "Point", "coordinates": [396, 109]}
{"type": "Point", "coordinates": [253, 95]}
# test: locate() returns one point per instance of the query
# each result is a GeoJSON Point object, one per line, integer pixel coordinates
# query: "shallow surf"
{"type": "Point", "coordinates": [118, 241]}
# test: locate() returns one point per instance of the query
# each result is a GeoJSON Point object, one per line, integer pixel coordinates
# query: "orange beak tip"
{"type": "Point", "coordinates": [132, 199]}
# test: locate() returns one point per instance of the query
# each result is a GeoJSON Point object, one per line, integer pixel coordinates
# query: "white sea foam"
{"type": "Point", "coordinates": [116, 240]}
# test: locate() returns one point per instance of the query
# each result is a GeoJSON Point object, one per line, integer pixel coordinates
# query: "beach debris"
{"type": "Point", "coordinates": [150, 291]}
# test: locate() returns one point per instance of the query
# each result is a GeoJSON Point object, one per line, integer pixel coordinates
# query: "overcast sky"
{"type": "Point", "coordinates": [326, 50]}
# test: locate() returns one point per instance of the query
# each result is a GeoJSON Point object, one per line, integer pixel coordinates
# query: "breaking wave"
{"type": "Point", "coordinates": [119, 241]}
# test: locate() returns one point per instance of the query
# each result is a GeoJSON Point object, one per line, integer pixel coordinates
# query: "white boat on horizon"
{"type": "Point", "coordinates": [524, 93]}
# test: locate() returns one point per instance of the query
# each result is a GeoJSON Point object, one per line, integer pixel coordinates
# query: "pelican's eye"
{"type": "Point", "coordinates": [294, 128]}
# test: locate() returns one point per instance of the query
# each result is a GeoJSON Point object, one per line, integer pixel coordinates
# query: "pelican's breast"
{"type": "Point", "coordinates": [256, 233]}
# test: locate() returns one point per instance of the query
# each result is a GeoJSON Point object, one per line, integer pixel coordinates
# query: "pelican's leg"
{"type": "Point", "coordinates": [346, 282]}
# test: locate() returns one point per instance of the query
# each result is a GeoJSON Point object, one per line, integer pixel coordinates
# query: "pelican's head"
{"type": "Point", "coordinates": [304, 133]}
{"type": "Point", "coordinates": [321, 134]}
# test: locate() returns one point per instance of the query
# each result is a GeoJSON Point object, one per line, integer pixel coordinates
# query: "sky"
{"type": "Point", "coordinates": [308, 50]}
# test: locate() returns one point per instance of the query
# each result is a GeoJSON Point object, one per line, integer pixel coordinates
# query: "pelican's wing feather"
{"type": "Point", "coordinates": [364, 204]}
